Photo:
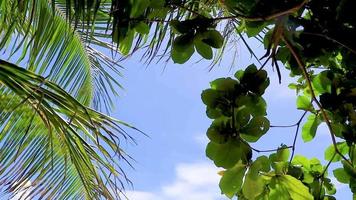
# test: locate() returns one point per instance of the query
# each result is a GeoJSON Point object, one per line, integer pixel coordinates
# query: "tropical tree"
{"type": "Point", "coordinates": [313, 39]}
{"type": "Point", "coordinates": [54, 80]}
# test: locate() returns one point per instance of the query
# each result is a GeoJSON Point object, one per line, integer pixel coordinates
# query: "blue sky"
{"type": "Point", "coordinates": [165, 103]}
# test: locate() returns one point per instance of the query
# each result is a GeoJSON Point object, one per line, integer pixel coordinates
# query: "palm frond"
{"type": "Point", "coordinates": [51, 140]}
{"type": "Point", "coordinates": [52, 47]}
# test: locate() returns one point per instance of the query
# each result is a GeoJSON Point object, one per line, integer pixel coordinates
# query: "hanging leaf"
{"type": "Point", "coordinates": [255, 129]}
{"type": "Point", "coordinates": [213, 38]}
{"type": "Point", "coordinates": [304, 103]}
{"type": "Point", "coordinates": [341, 175]}
{"type": "Point", "coordinates": [254, 184]}
{"type": "Point", "coordinates": [182, 49]}
{"type": "Point", "coordinates": [228, 154]}
{"type": "Point", "coordinates": [310, 127]}
{"type": "Point", "coordinates": [330, 154]}
{"type": "Point", "coordinates": [203, 49]}
{"type": "Point", "coordinates": [231, 182]}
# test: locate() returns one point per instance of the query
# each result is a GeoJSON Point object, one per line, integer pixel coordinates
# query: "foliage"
{"type": "Point", "coordinates": [313, 39]}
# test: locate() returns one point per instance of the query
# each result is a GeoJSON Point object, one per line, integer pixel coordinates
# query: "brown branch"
{"type": "Point", "coordinates": [309, 84]}
{"type": "Point", "coordinates": [266, 18]}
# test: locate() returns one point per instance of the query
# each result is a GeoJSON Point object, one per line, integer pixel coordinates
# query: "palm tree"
{"type": "Point", "coordinates": [57, 73]}
{"type": "Point", "coordinates": [53, 83]}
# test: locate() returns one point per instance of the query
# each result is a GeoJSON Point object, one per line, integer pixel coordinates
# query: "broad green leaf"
{"type": "Point", "coordinates": [322, 83]}
{"type": "Point", "coordinates": [203, 49]}
{"type": "Point", "coordinates": [294, 171]}
{"type": "Point", "coordinates": [254, 184]}
{"type": "Point", "coordinates": [209, 97]}
{"type": "Point", "coordinates": [283, 154]}
{"type": "Point", "coordinates": [256, 128]}
{"type": "Point", "coordinates": [215, 136]}
{"type": "Point", "coordinates": [182, 49]}
{"type": "Point", "coordinates": [315, 166]}
{"type": "Point", "coordinates": [351, 170]}
{"type": "Point", "coordinates": [242, 117]}
{"type": "Point", "coordinates": [304, 103]}
{"type": "Point", "coordinates": [310, 127]}
{"type": "Point", "coordinates": [301, 160]}
{"type": "Point", "coordinates": [341, 175]}
{"type": "Point", "coordinates": [224, 84]}
{"type": "Point", "coordinates": [232, 179]}
{"type": "Point", "coordinates": [330, 151]}
{"type": "Point", "coordinates": [296, 189]}
{"type": "Point", "coordinates": [213, 38]}
{"type": "Point", "coordinates": [239, 74]}
{"type": "Point", "coordinates": [277, 190]}
{"type": "Point", "coordinates": [228, 154]}
{"type": "Point", "coordinates": [256, 105]}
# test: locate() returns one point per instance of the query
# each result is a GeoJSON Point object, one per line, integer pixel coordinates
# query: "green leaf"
{"type": "Point", "coordinates": [322, 83]}
{"type": "Point", "coordinates": [157, 3]}
{"type": "Point", "coordinates": [126, 43]}
{"type": "Point", "coordinates": [295, 188]}
{"type": "Point", "coordinates": [213, 38]}
{"type": "Point", "coordinates": [341, 175]}
{"type": "Point", "coordinates": [330, 188]}
{"type": "Point", "coordinates": [255, 129]}
{"type": "Point", "coordinates": [242, 117]}
{"type": "Point", "coordinates": [254, 28]}
{"type": "Point", "coordinates": [239, 74]}
{"type": "Point", "coordinates": [330, 151]}
{"type": "Point", "coordinates": [209, 97]}
{"type": "Point", "coordinates": [182, 49]}
{"type": "Point", "coordinates": [224, 84]}
{"type": "Point", "coordinates": [310, 127]}
{"type": "Point", "coordinates": [304, 103]}
{"type": "Point", "coordinates": [142, 28]}
{"type": "Point", "coordinates": [180, 27]}
{"type": "Point", "coordinates": [231, 182]}
{"type": "Point", "coordinates": [301, 160]}
{"type": "Point", "coordinates": [203, 49]}
{"type": "Point", "coordinates": [256, 105]}
{"type": "Point", "coordinates": [138, 7]}
{"type": "Point", "coordinates": [254, 184]}
{"type": "Point", "coordinates": [283, 154]}
{"type": "Point", "coordinates": [228, 154]}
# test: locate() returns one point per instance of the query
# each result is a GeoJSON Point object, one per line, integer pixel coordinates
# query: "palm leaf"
{"type": "Point", "coordinates": [61, 147]}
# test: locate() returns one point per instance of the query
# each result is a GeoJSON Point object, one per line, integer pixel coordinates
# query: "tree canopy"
{"type": "Point", "coordinates": [313, 39]}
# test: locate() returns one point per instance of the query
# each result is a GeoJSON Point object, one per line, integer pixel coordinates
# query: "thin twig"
{"type": "Point", "coordinates": [296, 135]}
{"type": "Point", "coordinates": [270, 150]}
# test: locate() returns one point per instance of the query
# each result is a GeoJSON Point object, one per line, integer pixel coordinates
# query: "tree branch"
{"type": "Point", "coordinates": [309, 84]}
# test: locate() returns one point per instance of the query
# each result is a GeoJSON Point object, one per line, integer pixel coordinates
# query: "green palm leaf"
{"type": "Point", "coordinates": [51, 140]}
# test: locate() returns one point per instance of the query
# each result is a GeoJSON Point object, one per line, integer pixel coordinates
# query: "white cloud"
{"type": "Point", "coordinates": [138, 195]}
{"type": "Point", "coordinates": [193, 181]}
